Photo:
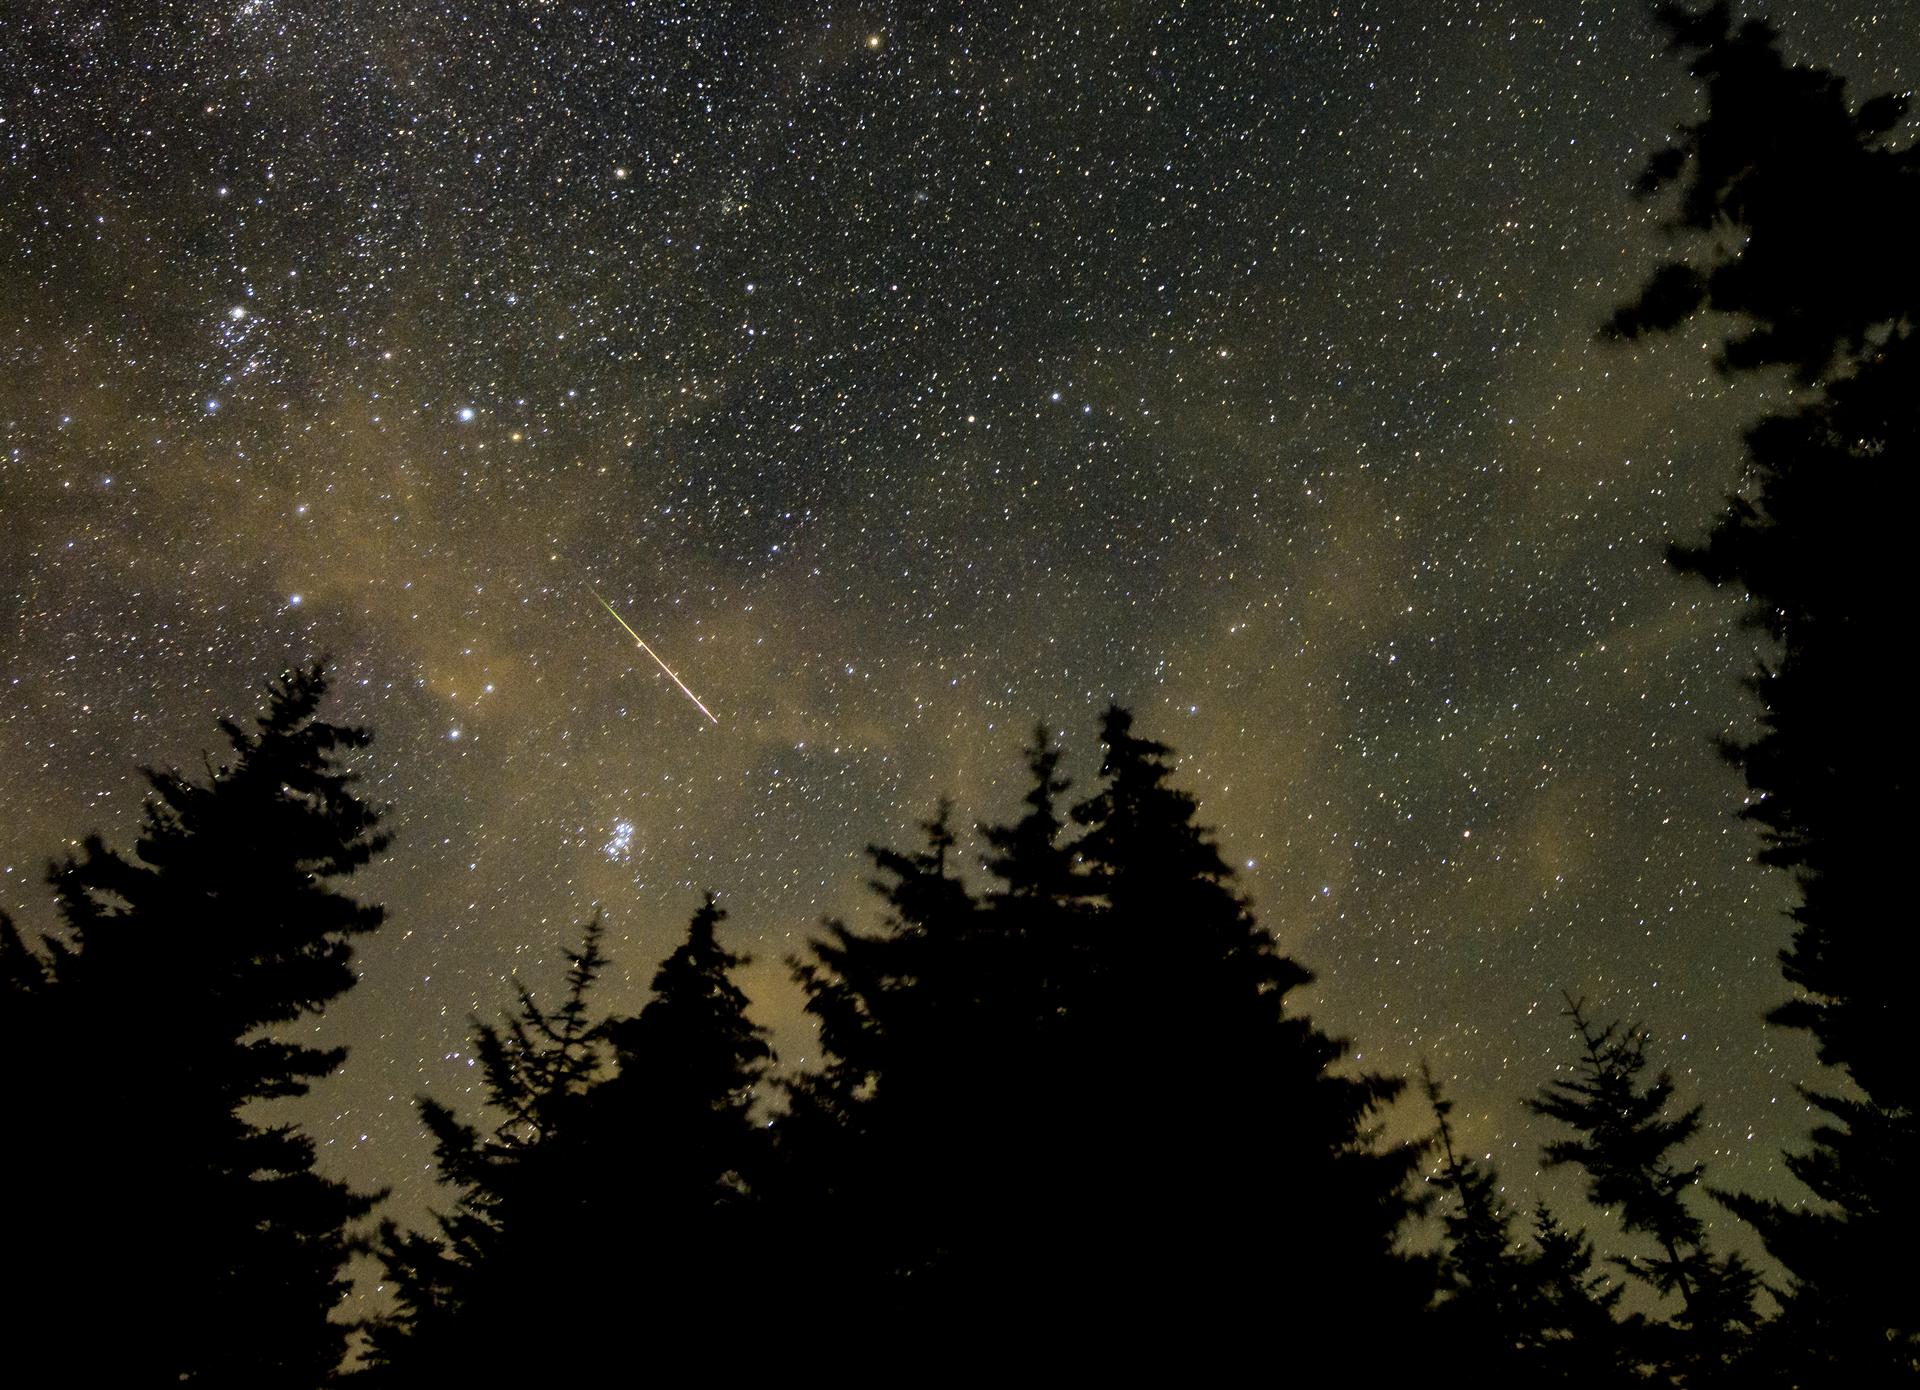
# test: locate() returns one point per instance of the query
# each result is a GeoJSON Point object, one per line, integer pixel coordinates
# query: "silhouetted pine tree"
{"type": "Point", "coordinates": [179, 1239]}
{"type": "Point", "coordinates": [671, 1154]}
{"type": "Point", "coordinates": [1796, 209]}
{"type": "Point", "coordinates": [1027, 857]}
{"type": "Point", "coordinates": [23, 974]}
{"type": "Point", "coordinates": [871, 1140]}
{"type": "Point", "coordinates": [1039, 1052]}
{"type": "Point", "coordinates": [1586, 1339]}
{"type": "Point", "coordinates": [599, 1195]}
{"type": "Point", "coordinates": [1624, 1142]}
{"type": "Point", "coordinates": [1033, 938]}
{"type": "Point", "coordinates": [1484, 1279]}
{"type": "Point", "coordinates": [1520, 1313]}
{"type": "Point", "coordinates": [1239, 1155]}
{"type": "Point", "coordinates": [1077, 1106]}
{"type": "Point", "coordinates": [946, 1148]}
{"type": "Point", "coordinates": [490, 1293]}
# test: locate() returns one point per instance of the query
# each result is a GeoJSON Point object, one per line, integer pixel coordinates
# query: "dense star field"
{"type": "Point", "coordinates": [904, 375]}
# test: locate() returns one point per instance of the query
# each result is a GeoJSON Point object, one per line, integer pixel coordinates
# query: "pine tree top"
{"type": "Point", "coordinates": [227, 910]}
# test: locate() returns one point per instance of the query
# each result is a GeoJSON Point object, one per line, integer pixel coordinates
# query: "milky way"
{"type": "Point", "coordinates": [910, 375]}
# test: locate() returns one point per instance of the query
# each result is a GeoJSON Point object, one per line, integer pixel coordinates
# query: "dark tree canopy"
{"type": "Point", "coordinates": [672, 1146]}
{"type": "Point", "coordinates": [611, 1181]}
{"type": "Point", "coordinates": [1079, 1099]}
{"type": "Point", "coordinates": [1796, 213]}
{"type": "Point", "coordinates": [1795, 207]}
{"type": "Point", "coordinates": [1522, 1311]}
{"type": "Point", "coordinates": [1625, 1142]}
{"type": "Point", "coordinates": [500, 1257]}
{"type": "Point", "coordinates": [148, 1028]}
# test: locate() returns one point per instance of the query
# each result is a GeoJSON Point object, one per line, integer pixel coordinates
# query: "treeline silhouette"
{"type": "Point", "coordinates": [1066, 1118]}
{"type": "Point", "coordinates": [1797, 212]}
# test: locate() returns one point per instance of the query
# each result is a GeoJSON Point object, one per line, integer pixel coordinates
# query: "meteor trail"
{"type": "Point", "coordinates": [656, 658]}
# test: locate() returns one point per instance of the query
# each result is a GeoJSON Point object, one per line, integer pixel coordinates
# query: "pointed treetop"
{"type": "Point", "coordinates": [1624, 1143]}
{"type": "Point", "coordinates": [706, 917]}
{"type": "Point", "coordinates": [226, 906]}
{"type": "Point", "coordinates": [1027, 855]}
{"type": "Point", "coordinates": [696, 1026]}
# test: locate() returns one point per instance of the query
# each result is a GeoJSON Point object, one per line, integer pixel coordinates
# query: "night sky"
{"type": "Point", "coordinates": [904, 375]}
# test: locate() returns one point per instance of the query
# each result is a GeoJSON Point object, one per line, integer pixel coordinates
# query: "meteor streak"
{"type": "Point", "coordinates": [656, 658]}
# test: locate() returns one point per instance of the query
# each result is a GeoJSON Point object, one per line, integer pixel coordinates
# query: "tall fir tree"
{"type": "Point", "coordinates": [869, 1147]}
{"type": "Point", "coordinates": [674, 1155]}
{"type": "Point", "coordinates": [1522, 1312]}
{"type": "Point", "coordinates": [1241, 1154]}
{"type": "Point", "coordinates": [1625, 1142]}
{"type": "Point", "coordinates": [1795, 213]}
{"type": "Point", "coordinates": [613, 1182]}
{"type": "Point", "coordinates": [1586, 1340]}
{"type": "Point", "coordinates": [24, 977]}
{"type": "Point", "coordinates": [1038, 1047]}
{"type": "Point", "coordinates": [191, 1242]}
{"type": "Point", "coordinates": [1027, 857]}
{"type": "Point", "coordinates": [947, 1146]}
{"type": "Point", "coordinates": [1077, 1106]}
{"type": "Point", "coordinates": [487, 1293]}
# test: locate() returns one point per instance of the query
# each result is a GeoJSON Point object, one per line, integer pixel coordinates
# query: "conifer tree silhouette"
{"type": "Point", "coordinates": [946, 1145]}
{"type": "Point", "coordinates": [1817, 194]}
{"type": "Point", "coordinates": [1585, 1340]}
{"type": "Point", "coordinates": [1077, 1105]}
{"type": "Point", "coordinates": [613, 1183]}
{"type": "Point", "coordinates": [1028, 857]}
{"type": "Point", "coordinates": [1624, 1141]}
{"type": "Point", "coordinates": [193, 1242]}
{"type": "Point", "coordinates": [867, 1141]}
{"type": "Point", "coordinates": [670, 1149]}
{"type": "Point", "coordinates": [1037, 1051]}
{"type": "Point", "coordinates": [1523, 1313]}
{"type": "Point", "coordinates": [23, 974]}
{"type": "Point", "coordinates": [1237, 1139]}
{"type": "Point", "coordinates": [502, 1255]}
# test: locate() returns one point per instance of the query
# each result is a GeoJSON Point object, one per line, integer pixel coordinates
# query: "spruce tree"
{"type": "Point", "coordinates": [1625, 1143]}
{"type": "Point", "coordinates": [1076, 1105]}
{"type": "Point", "coordinates": [499, 1261]}
{"type": "Point", "coordinates": [1236, 1144]}
{"type": "Point", "coordinates": [951, 1143]}
{"type": "Point", "coordinates": [612, 1181]}
{"type": "Point", "coordinates": [1585, 1340]}
{"type": "Point", "coordinates": [192, 1242]}
{"type": "Point", "coordinates": [23, 974]}
{"type": "Point", "coordinates": [1039, 1046]}
{"type": "Point", "coordinates": [1794, 212]}
{"type": "Point", "coordinates": [869, 1140]}
{"type": "Point", "coordinates": [1027, 856]}
{"type": "Point", "coordinates": [673, 1156]}
{"type": "Point", "coordinates": [1524, 1312]}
